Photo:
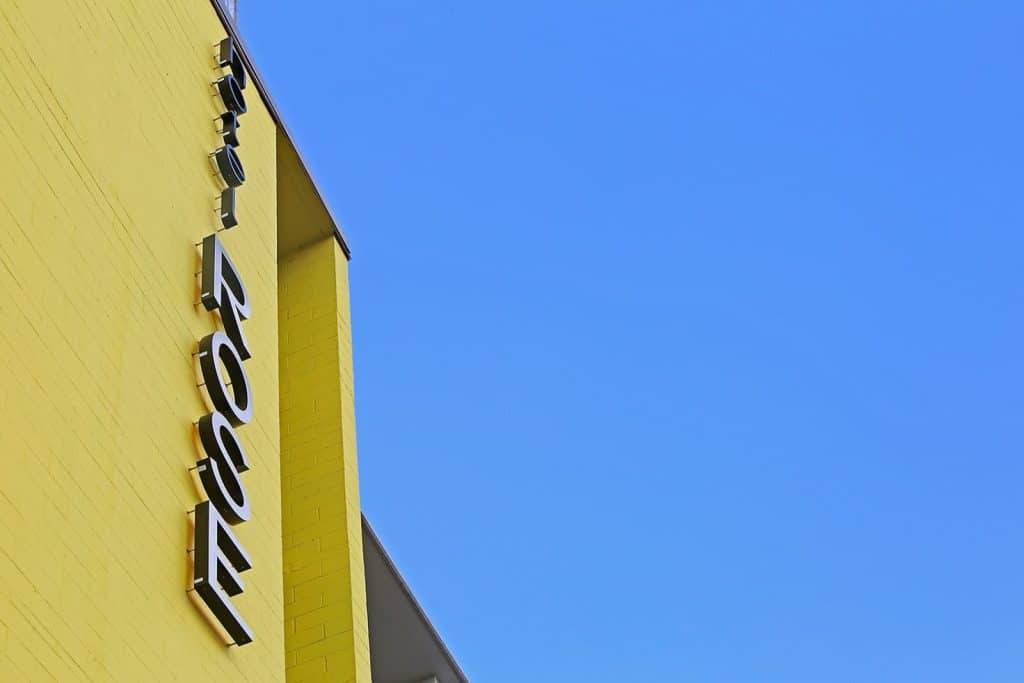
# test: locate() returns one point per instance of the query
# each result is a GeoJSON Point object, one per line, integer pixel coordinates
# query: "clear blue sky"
{"type": "Point", "coordinates": [689, 335]}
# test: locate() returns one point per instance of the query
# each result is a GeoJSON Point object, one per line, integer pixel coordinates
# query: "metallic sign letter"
{"type": "Point", "coordinates": [218, 560]}
{"type": "Point", "coordinates": [216, 351]}
{"type": "Point", "coordinates": [223, 289]}
{"type": "Point", "coordinates": [219, 471]}
{"type": "Point", "coordinates": [229, 166]}
{"type": "Point", "coordinates": [229, 56]}
{"type": "Point", "coordinates": [230, 90]}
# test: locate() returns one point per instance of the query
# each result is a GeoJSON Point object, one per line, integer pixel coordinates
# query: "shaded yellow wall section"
{"type": "Point", "coordinates": [106, 121]}
{"type": "Point", "coordinates": [326, 630]}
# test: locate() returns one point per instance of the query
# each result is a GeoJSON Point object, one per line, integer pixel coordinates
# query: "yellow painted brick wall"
{"type": "Point", "coordinates": [326, 631]}
{"type": "Point", "coordinates": [105, 186]}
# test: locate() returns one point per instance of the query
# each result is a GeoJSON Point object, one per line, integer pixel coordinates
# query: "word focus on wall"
{"type": "Point", "coordinates": [218, 558]}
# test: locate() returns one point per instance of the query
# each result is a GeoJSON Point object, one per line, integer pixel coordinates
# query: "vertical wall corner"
{"type": "Point", "coordinates": [326, 629]}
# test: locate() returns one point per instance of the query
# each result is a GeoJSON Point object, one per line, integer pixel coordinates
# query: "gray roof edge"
{"type": "Point", "coordinates": [275, 113]}
{"type": "Point", "coordinates": [412, 599]}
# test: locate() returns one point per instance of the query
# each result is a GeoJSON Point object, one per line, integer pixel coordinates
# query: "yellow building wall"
{"type": "Point", "coordinates": [106, 121]}
{"type": "Point", "coordinates": [326, 628]}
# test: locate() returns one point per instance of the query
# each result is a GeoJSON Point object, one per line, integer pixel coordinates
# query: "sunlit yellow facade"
{"type": "Point", "coordinates": [107, 121]}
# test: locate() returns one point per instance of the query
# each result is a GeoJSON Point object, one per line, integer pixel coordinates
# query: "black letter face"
{"type": "Point", "coordinates": [230, 166]}
{"type": "Point", "coordinates": [228, 56]}
{"type": "Point", "coordinates": [236, 404]}
{"type": "Point", "coordinates": [219, 471]}
{"type": "Point", "coordinates": [229, 128]}
{"type": "Point", "coordinates": [219, 558]}
{"type": "Point", "coordinates": [223, 289]}
{"type": "Point", "coordinates": [228, 218]}
{"type": "Point", "coordinates": [230, 91]}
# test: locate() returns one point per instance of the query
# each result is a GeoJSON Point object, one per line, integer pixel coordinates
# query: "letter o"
{"type": "Point", "coordinates": [229, 166]}
{"type": "Point", "coordinates": [234, 402]}
{"type": "Point", "coordinates": [230, 91]}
